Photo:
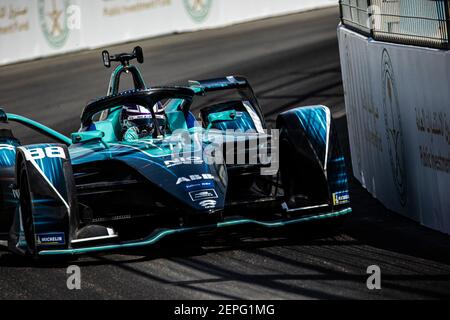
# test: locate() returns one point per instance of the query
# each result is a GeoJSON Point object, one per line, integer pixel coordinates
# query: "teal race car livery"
{"type": "Point", "coordinates": [143, 167]}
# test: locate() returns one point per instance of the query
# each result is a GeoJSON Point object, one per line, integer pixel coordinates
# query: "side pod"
{"type": "Point", "coordinates": [48, 214]}
{"type": "Point", "coordinates": [312, 162]}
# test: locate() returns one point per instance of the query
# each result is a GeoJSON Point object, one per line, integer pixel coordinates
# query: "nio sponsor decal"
{"type": "Point", "coordinates": [46, 239]}
{"type": "Point", "coordinates": [7, 147]}
{"type": "Point", "coordinates": [341, 197]}
{"type": "Point", "coordinates": [41, 153]}
{"type": "Point", "coordinates": [203, 195]}
{"type": "Point", "coordinates": [208, 204]}
{"type": "Point", "coordinates": [179, 161]}
{"type": "Point", "coordinates": [195, 177]}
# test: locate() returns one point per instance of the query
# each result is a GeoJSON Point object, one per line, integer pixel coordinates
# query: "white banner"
{"type": "Point", "coordinates": [39, 28]}
{"type": "Point", "coordinates": [398, 116]}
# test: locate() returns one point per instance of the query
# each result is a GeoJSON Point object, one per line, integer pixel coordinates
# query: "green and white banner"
{"type": "Point", "coordinates": [38, 28]}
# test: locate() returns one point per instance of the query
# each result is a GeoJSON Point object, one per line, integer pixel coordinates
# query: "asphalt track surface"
{"type": "Point", "coordinates": [290, 61]}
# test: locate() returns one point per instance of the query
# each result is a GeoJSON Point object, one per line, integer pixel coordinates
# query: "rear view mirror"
{"type": "Point", "coordinates": [229, 115]}
{"type": "Point", "coordinates": [106, 59]}
{"type": "Point", "coordinates": [139, 54]}
{"type": "Point", "coordinates": [80, 137]}
{"type": "Point", "coordinates": [123, 58]}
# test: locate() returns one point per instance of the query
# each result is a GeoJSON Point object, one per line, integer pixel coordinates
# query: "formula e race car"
{"type": "Point", "coordinates": [143, 167]}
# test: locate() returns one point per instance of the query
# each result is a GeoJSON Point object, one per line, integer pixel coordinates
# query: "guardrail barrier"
{"type": "Point", "coordinates": [411, 22]}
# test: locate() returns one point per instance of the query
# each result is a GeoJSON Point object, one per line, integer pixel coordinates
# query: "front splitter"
{"type": "Point", "coordinates": [154, 238]}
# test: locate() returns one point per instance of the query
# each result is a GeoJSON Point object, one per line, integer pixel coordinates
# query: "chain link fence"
{"type": "Point", "coordinates": [412, 22]}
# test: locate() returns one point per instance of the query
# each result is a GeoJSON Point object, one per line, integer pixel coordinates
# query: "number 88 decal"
{"type": "Point", "coordinates": [41, 153]}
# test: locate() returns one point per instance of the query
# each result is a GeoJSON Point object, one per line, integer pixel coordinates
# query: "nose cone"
{"type": "Point", "coordinates": [198, 185]}
{"type": "Point", "coordinates": [189, 178]}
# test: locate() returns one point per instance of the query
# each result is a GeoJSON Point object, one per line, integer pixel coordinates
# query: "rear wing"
{"type": "Point", "coordinates": [230, 82]}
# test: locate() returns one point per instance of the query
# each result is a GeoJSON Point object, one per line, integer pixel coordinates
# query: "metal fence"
{"type": "Point", "coordinates": [413, 22]}
{"type": "Point", "coordinates": [355, 14]}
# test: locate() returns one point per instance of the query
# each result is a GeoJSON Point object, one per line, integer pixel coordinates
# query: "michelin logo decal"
{"type": "Point", "coordinates": [46, 239]}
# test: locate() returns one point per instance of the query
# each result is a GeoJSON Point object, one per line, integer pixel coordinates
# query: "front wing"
{"type": "Point", "coordinates": [160, 234]}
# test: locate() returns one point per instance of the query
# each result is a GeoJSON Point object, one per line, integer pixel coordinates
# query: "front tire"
{"type": "Point", "coordinates": [26, 210]}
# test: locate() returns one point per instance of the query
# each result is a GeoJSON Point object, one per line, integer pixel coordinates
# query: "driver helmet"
{"type": "Point", "coordinates": [140, 118]}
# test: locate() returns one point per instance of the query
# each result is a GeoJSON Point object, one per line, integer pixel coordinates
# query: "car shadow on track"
{"type": "Point", "coordinates": [184, 247]}
{"type": "Point", "coordinates": [374, 225]}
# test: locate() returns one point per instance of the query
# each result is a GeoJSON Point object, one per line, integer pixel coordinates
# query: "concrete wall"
{"type": "Point", "coordinates": [397, 100]}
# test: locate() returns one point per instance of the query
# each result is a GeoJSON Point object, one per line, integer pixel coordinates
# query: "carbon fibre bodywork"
{"type": "Point", "coordinates": [98, 192]}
